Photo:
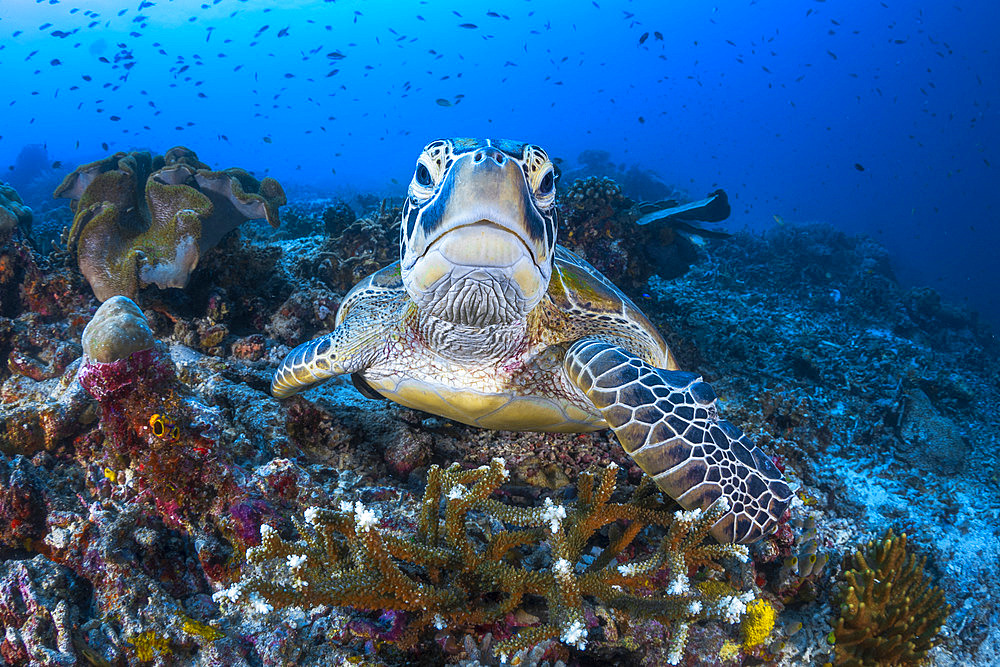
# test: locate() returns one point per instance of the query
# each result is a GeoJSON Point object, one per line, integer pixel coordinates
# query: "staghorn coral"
{"type": "Point", "coordinates": [889, 613]}
{"type": "Point", "coordinates": [141, 219]}
{"type": "Point", "coordinates": [445, 576]}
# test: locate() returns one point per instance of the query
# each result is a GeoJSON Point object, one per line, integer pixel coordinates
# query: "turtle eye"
{"type": "Point", "coordinates": [547, 184]}
{"type": "Point", "coordinates": [423, 176]}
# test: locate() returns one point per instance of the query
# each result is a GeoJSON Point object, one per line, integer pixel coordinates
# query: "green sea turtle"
{"type": "Point", "coordinates": [486, 321]}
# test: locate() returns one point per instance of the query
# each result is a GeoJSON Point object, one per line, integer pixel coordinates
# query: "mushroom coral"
{"type": "Point", "coordinates": [141, 219]}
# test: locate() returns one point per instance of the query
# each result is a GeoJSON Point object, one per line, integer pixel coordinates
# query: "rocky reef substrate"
{"type": "Point", "coordinates": [140, 458]}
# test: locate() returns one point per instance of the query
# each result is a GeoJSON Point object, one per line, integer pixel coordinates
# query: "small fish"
{"type": "Point", "coordinates": [267, 140]}
{"type": "Point", "coordinates": [104, 146]}
{"type": "Point", "coordinates": [469, 26]}
{"type": "Point", "coordinates": [778, 219]}
{"type": "Point", "coordinates": [641, 119]}
{"type": "Point", "coordinates": [643, 38]}
{"type": "Point", "coordinates": [57, 164]}
{"type": "Point", "coordinates": [443, 102]}
{"type": "Point", "coordinates": [162, 428]}
{"type": "Point", "coordinates": [858, 167]}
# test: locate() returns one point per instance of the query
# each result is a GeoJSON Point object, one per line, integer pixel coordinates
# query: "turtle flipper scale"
{"type": "Point", "coordinates": [667, 421]}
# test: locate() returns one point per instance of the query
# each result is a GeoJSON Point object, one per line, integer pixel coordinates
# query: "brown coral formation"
{"type": "Point", "coordinates": [13, 212]}
{"type": "Point", "coordinates": [627, 241]}
{"type": "Point", "coordinates": [889, 612]}
{"type": "Point", "coordinates": [141, 219]}
{"type": "Point", "coordinates": [455, 571]}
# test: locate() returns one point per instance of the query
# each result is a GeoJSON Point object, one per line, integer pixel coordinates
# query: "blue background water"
{"type": "Point", "coordinates": [775, 101]}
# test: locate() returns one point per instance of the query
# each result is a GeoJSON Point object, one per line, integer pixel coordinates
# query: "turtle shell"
{"type": "Point", "coordinates": [591, 305]}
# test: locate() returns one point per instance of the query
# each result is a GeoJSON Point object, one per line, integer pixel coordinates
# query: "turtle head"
{"type": "Point", "coordinates": [479, 230]}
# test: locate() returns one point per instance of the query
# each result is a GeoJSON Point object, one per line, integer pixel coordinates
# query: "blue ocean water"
{"type": "Point", "coordinates": [875, 117]}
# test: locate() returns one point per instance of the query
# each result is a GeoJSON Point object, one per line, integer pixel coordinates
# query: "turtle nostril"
{"type": "Point", "coordinates": [497, 156]}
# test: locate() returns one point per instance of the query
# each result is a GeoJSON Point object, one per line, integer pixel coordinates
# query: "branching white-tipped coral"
{"type": "Point", "coordinates": [554, 514]}
{"type": "Point", "coordinates": [364, 517]}
{"type": "Point", "coordinates": [447, 576]}
{"type": "Point", "coordinates": [575, 635]}
{"type": "Point", "coordinates": [312, 514]}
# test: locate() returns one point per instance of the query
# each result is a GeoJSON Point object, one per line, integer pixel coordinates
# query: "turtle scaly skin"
{"type": "Point", "coordinates": [486, 321]}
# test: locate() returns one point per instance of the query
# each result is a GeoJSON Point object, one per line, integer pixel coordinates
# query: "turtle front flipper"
{"type": "Point", "coordinates": [344, 350]}
{"type": "Point", "coordinates": [667, 421]}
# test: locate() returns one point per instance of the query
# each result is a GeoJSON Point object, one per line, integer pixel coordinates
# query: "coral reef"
{"type": "Point", "coordinates": [938, 440]}
{"type": "Point", "coordinates": [889, 613]}
{"type": "Point", "coordinates": [40, 609]}
{"type": "Point", "coordinates": [13, 212]}
{"type": "Point", "coordinates": [151, 426]}
{"type": "Point", "coordinates": [600, 224]}
{"type": "Point", "coordinates": [359, 249]}
{"type": "Point", "coordinates": [121, 515]}
{"type": "Point", "coordinates": [445, 576]}
{"type": "Point", "coordinates": [142, 219]}
{"type": "Point", "coordinates": [637, 182]}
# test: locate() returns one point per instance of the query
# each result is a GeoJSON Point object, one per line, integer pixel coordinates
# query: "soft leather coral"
{"type": "Point", "coordinates": [13, 212]}
{"type": "Point", "coordinates": [141, 219]}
